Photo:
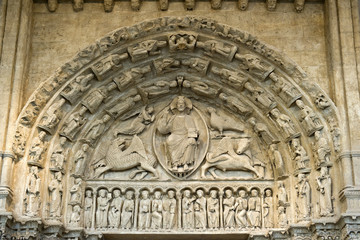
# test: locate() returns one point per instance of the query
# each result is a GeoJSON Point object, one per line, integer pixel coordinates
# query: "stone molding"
{"type": "Point", "coordinates": [184, 50]}
{"type": "Point", "coordinates": [78, 5]}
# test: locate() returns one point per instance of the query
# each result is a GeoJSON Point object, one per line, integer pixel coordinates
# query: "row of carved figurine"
{"type": "Point", "coordinates": [78, 5]}
{"type": "Point", "coordinates": [185, 209]}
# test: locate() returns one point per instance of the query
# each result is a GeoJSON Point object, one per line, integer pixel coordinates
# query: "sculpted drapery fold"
{"type": "Point", "coordinates": [208, 120]}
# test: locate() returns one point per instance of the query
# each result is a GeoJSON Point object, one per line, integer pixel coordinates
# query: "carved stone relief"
{"type": "Point", "coordinates": [210, 118]}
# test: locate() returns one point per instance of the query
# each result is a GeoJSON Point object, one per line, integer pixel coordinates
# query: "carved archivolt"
{"type": "Point", "coordinates": [214, 115]}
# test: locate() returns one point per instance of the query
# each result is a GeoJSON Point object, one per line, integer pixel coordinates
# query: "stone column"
{"type": "Point", "coordinates": [15, 33]}
{"type": "Point", "coordinates": [221, 195]}
{"type": "Point", "coordinates": [136, 210]}
{"type": "Point", "coordinates": [178, 198]}
{"type": "Point", "coordinates": [94, 210]}
{"type": "Point", "coordinates": [342, 31]}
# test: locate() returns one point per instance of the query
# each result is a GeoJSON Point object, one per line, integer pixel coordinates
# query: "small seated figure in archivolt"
{"type": "Point", "coordinates": [119, 158]}
{"type": "Point", "coordinates": [228, 157]}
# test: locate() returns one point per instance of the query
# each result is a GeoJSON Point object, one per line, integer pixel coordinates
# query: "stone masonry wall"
{"type": "Point", "coordinates": [58, 36]}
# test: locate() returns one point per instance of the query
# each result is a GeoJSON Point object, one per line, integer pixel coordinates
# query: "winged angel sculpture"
{"type": "Point", "coordinates": [116, 157]}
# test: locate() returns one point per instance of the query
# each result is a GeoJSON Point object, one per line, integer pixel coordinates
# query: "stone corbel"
{"type": "Point", "coordinates": [189, 4]}
{"type": "Point", "coordinates": [215, 4]}
{"type": "Point", "coordinates": [299, 5]}
{"type": "Point", "coordinates": [78, 5]}
{"type": "Point", "coordinates": [243, 4]}
{"type": "Point", "coordinates": [271, 5]}
{"type": "Point", "coordinates": [52, 5]}
{"type": "Point", "coordinates": [109, 5]}
{"type": "Point", "coordinates": [164, 5]}
{"type": "Point", "coordinates": [135, 5]}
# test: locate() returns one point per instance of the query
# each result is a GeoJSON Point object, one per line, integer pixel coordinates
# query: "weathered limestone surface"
{"type": "Point", "coordinates": [300, 36]}
{"type": "Point", "coordinates": [180, 125]}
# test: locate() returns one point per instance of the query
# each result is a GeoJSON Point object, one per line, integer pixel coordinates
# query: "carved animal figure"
{"type": "Point", "coordinates": [219, 123]}
{"type": "Point", "coordinates": [117, 158]}
{"type": "Point", "coordinates": [226, 158]}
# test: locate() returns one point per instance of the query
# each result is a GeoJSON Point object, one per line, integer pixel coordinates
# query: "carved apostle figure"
{"type": "Point", "coordinates": [322, 148]}
{"type": "Point", "coordinates": [123, 106]}
{"type": "Point", "coordinates": [156, 211]}
{"type": "Point", "coordinates": [324, 186]}
{"type": "Point", "coordinates": [166, 65]}
{"type": "Point", "coordinates": [88, 207]}
{"type": "Point", "coordinates": [253, 213]}
{"type": "Point", "coordinates": [115, 209]}
{"type": "Point", "coordinates": [32, 199]}
{"type": "Point", "coordinates": [229, 203]}
{"type": "Point", "coordinates": [80, 158]}
{"type": "Point", "coordinates": [181, 144]}
{"type": "Point", "coordinates": [37, 148]}
{"type": "Point", "coordinates": [107, 64]}
{"type": "Point", "coordinates": [158, 88]}
{"type": "Point", "coordinates": [287, 92]}
{"type": "Point", "coordinates": [255, 66]}
{"type": "Point", "coordinates": [235, 104]}
{"type": "Point", "coordinates": [282, 218]}
{"type": "Point", "coordinates": [58, 156]}
{"type": "Point", "coordinates": [234, 79]}
{"type": "Point", "coordinates": [268, 209]}
{"type": "Point", "coordinates": [144, 210]}
{"type": "Point", "coordinates": [282, 194]}
{"type": "Point", "coordinates": [188, 210]}
{"type": "Point", "coordinates": [127, 214]}
{"type": "Point", "coordinates": [93, 100]}
{"type": "Point", "coordinates": [72, 125]}
{"type": "Point", "coordinates": [212, 206]}
{"type": "Point", "coordinates": [146, 48]}
{"type": "Point", "coordinates": [277, 160]}
{"type": "Point", "coordinates": [75, 191]}
{"type": "Point", "coordinates": [303, 191]}
{"type": "Point", "coordinates": [241, 209]}
{"type": "Point", "coordinates": [258, 94]}
{"type": "Point", "coordinates": [196, 65]}
{"type": "Point", "coordinates": [129, 77]}
{"type": "Point", "coordinates": [169, 210]}
{"type": "Point", "coordinates": [201, 88]}
{"type": "Point", "coordinates": [56, 191]}
{"type": "Point", "coordinates": [200, 210]}
{"type": "Point", "coordinates": [77, 87]}
{"type": "Point", "coordinates": [96, 129]}
{"type": "Point", "coordinates": [263, 132]}
{"type": "Point", "coordinates": [285, 124]}
{"type": "Point", "coordinates": [75, 216]}
{"type": "Point", "coordinates": [102, 208]}
{"type": "Point", "coordinates": [52, 116]}
{"type": "Point", "coordinates": [301, 158]}
{"type": "Point", "coordinates": [213, 48]}
{"type": "Point", "coordinates": [308, 117]}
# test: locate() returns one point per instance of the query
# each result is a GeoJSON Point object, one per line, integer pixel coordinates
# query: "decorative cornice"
{"type": "Point", "coordinates": [348, 154]}
{"type": "Point", "coordinates": [78, 5]}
